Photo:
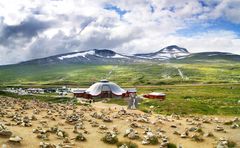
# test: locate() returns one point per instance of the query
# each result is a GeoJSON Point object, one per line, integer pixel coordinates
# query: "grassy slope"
{"type": "Point", "coordinates": [53, 99]}
{"type": "Point", "coordinates": [127, 75]}
{"type": "Point", "coordinates": [192, 99]}
{"type": "Point", "coordinates": [202, 99]}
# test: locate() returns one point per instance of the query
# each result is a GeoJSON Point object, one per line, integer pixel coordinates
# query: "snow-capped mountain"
{"type": "Point", "coordinates": [94, 56]}
{"type": "Point", "coordinates": [106, 56]}
{"type": "Point", "coordinates": [169, 52]}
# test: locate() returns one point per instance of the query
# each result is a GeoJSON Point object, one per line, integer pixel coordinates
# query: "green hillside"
{"type": "Point", "coordinates": [127, 75]}
{"type": "Point", "coordinates": [196, 88]}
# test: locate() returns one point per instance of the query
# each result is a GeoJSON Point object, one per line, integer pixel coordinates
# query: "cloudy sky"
{"type": "Point", "coordinates": [39, 28]}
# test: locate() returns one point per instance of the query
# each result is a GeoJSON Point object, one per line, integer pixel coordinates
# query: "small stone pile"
{"type": "Point", "coordinates": [150, 138]}
{"type": "Point", "coordinates": [234, 126]}
{"type": "Point", "coordinates": [26, 122]}
{"type": "Point", "coordinates": [94, 124]}
{"type": "Point", "coordinates": [164, 143]}
{"type": "Point", "coordinates": [222, 143]}
{"type": "Point", "coordinates": [22, 121]}
{"type": "Point", "coordinates": [47, 145]}
{"type": "Point", "coordinates": [122, 112]}
{"type": "Point", "coordinates": [103, 127]}
{"type": "Point", "coordinates": [61, 134]}
{"type": "Point", "coordinates": [143, 119]}
{"type": "Point", "coordinates": [41, 134]}
{"type": "Point", "coordinates": [73, 119]}
{"type": "Point", "coordinates": [134, 125]}
{"type": "Point", "coordinates": [106, 119]}
{"type": "Point", "coordinates": [110, 138]}
{"type": "Point", "coordinates": [80, 137]}
{"type": "Point", "coordinates": [184, 134]}
{"type": "Point", "coordinates": [78, 126]}
{"type": "Point", "coordinates": [131, 134]}
{"type": "Point", "coordinates": [97, 115]}
{"type": "Point", "coordinates": [4, 132]}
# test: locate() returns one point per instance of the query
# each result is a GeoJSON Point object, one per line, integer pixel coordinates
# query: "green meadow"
{"type": "Point", "coordinates": [194, 88]}
{"type": "Point", "coordinates": [126, 75]}
{"type": "Point", "coordinates": [192, 99]}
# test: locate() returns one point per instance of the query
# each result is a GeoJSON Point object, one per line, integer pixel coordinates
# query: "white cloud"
{"type": "Point", "coordinates": [148, 25]}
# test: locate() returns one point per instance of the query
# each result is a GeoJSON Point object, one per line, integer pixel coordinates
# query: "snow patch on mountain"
{"type": "Point", "coordinates": [93, 53]}
{"type": "Point", "coordinates": [170, 52]}
{"type": "Point", "coordinates": [119, 56]}
{"type": "Point", "coordinates": [81, 54]}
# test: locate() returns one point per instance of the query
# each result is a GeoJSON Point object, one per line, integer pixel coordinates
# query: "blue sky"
{"type": "Point", "coordinates": [118, 10]}
{"type": "Point", "coordinates": [33, 29]}
{"type": "Point", "coordinates": [209, 26]}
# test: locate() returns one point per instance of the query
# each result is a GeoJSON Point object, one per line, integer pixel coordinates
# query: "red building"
{"type": "Point", "coordinates": [155, 95]}
{"type": "Point", "coordinates": [79, 93]}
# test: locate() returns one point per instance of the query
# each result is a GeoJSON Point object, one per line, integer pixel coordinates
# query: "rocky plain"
{"type": "Point", "coordinates": [31, 123]}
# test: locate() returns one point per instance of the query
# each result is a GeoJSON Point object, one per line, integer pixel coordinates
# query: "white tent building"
{"type": "Point", "coordinates": [105, 89]}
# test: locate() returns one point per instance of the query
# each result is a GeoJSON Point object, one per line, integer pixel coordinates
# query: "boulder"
{"type": "Point", "coordinates": [15, 139]}
{"type": "Point", "coordinates": [103, 127]}
{"type": "Point", "coordinates": [222, 143]}
{"type": "Point", "coordinates": [106, 119]}
{"type": "Point", "coordinates": [131, 134]}
{"type": "Point", "coordinates": [134, 125]}
{"type": "Point", "coordinates": [5, 133]}
{"type": "Point", "coordinates": [150, 138]}
{"type": "Point", "coordinates": [80, 137]}
{"type": "Point", "coordinates": [209, 134]}
{"type": "Point", "coordinates": [110, 138]}
{"type": "Point", "coordinates": [145, 142]}
{"type": "Point", "coordinates": [192, 129]}
{"type": "Point", "coordinates": [219, 128]}
{"type": "Point", "coordinates": [47, 145]}
{"type": "Point", "coordinates": [72, 119]}
{"type": "Point", "coordinates": [234, 126]}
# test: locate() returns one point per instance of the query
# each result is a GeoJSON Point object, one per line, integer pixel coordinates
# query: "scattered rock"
{"type": "Point", "coordinates": [184, 134]}
{"type": "Point", "coordinates": [73, 119]}
{"type": "Point", "coordinates": [143, 120]}
{"type": "Point", "coordinates": [15, 139]}
{"type": "Point", "coordinates": [47, 145]}
{"type": "Point", "coordinates": [192, 129]}
{"type": "Point", "coordinates": [131, 134]}
{"type": "Point", "coordinates": [176, 133]}
{"type": "Point", "coordinates": [80, 137]}
{"type": "Point", "coordinates": [197, 138]}
{"type": "Point", "coordinates": [209, 134]}
{"type": "Point", "coordinates": [103, 127]}
{"type": "Point", "coordinates": [219, 128]}
{"type": "Point", "coordinates": [234, 126]}
{"type": "Point", "coordinates": [106, 119]}
{"type": "Point", "coordinates": [4, 132]}
{"type": "Point", "coordinates": [134, 125]}
{"type": "Point", "coordinates": [110, 138]}
{"type": "Point", "coordinates": [222, 143]}
{"type": "Point", "coordinates": [150, 138]}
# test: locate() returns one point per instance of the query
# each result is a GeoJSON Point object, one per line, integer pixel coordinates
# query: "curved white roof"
{"type": "Point", "coordinates": [105, 85]}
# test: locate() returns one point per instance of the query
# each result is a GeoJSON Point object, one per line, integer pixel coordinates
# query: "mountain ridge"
{"type": "Point", "coordinates": [107, 56]}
